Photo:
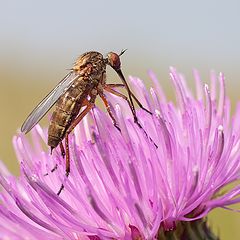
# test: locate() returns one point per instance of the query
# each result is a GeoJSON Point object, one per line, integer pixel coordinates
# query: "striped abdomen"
{"type": "Point", "coordinates": [67, 108]}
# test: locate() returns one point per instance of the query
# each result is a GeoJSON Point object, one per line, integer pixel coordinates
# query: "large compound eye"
{"type": "Point", "coordinates": [114, 60]}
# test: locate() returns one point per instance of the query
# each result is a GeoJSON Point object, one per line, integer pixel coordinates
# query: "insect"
{"type": "Point", "coordinates": [76, 91]}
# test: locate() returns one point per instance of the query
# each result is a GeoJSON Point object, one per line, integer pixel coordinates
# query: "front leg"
{"type": "Point", "coordinates": [106, 103]}
{"type": "Point", "coordinates": [116, 85]}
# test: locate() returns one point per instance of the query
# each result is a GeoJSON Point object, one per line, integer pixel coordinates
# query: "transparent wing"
{"type": "Point", "coordinates": [43, 107]}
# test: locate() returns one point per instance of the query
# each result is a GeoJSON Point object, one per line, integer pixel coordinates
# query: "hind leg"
{"type": "Point", "coordinates": [67, 171]}
{"type": "Point", "coordinates": [69, 130]}
{"type": "Point", "coordinates": [63, 155]}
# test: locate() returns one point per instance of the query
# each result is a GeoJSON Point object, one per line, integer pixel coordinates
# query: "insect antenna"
{"type": "Point", "coordinates": [122, 52]}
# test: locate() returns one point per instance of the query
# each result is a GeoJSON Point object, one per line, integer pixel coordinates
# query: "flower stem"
{"type": "Point", "coordinates": [195, 230]}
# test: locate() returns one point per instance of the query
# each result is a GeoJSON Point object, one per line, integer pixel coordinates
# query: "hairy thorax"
{"type": "Point", "coordinates": [91, 69]}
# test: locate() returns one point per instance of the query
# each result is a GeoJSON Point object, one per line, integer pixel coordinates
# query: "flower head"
{"type": "Point", "coordinates": [121, 186]}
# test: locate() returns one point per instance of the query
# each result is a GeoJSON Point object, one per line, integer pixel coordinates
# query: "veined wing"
{"type": "Point", "coordinates": [43, 107]}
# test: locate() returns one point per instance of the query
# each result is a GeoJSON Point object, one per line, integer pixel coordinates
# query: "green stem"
{"type": "Point", "coordinates": [195, 230]}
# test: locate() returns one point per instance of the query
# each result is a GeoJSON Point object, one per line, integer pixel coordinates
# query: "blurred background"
{"type": "Point", "coordinates": [39, 41]}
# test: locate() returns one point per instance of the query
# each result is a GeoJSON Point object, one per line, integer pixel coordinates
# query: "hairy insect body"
{"type": "Point", "coordinates": [75, 95]}
{"type": "Point", "coordinates": [68, 106]}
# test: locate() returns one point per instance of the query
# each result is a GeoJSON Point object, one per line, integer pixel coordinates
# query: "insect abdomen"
{"type": "Point", "coordinates": [60, 120]}
{"type": "Point", "coordinates": [67, 108]}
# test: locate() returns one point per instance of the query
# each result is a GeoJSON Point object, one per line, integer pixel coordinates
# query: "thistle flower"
{"type": "Point", "coordinates": [121, 186]}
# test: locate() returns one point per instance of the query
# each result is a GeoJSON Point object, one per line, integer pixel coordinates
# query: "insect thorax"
{"type": "Point", "coordinates": [93, 58]}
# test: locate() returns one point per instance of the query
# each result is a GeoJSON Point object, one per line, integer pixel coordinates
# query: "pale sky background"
{"type": "Point", "coordinates": [39, 41]}
{"type": "Point", "coordinates": [46, 36]}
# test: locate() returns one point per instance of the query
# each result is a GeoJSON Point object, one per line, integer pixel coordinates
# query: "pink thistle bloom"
{"type": "Point", "coordinates": [120, 185]}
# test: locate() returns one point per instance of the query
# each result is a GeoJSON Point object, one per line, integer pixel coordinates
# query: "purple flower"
{"type": "Point", "coordinates": [120, 185]}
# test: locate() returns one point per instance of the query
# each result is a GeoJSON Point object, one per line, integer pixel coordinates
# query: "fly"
{"type": "Point", "coordinates": [79, 89]}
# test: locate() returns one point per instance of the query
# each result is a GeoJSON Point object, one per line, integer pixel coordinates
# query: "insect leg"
{"type": "Point", "coordinates": [125, 98]}
{"type": "Point", "coordinates": [63, 155]}
{"type": "Point", "coordinates": [62, 150]}
{"type": "Point", "coordinates": [131, 107]}
{"type": "Point", "coordinates": [67, 162]}
{"type": "Point", "coordinates": [112, 85]}
{"type": "Point", "coordinates": [52, 170]}
{"type": "Point", "coordinates": [71, 127]}
{"type": "Point", "coordinates": [80, 117]}
{"type": "Point", "coordinates": [105, 101]}
{"type": "Point", "coordinates": [130, 94]}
